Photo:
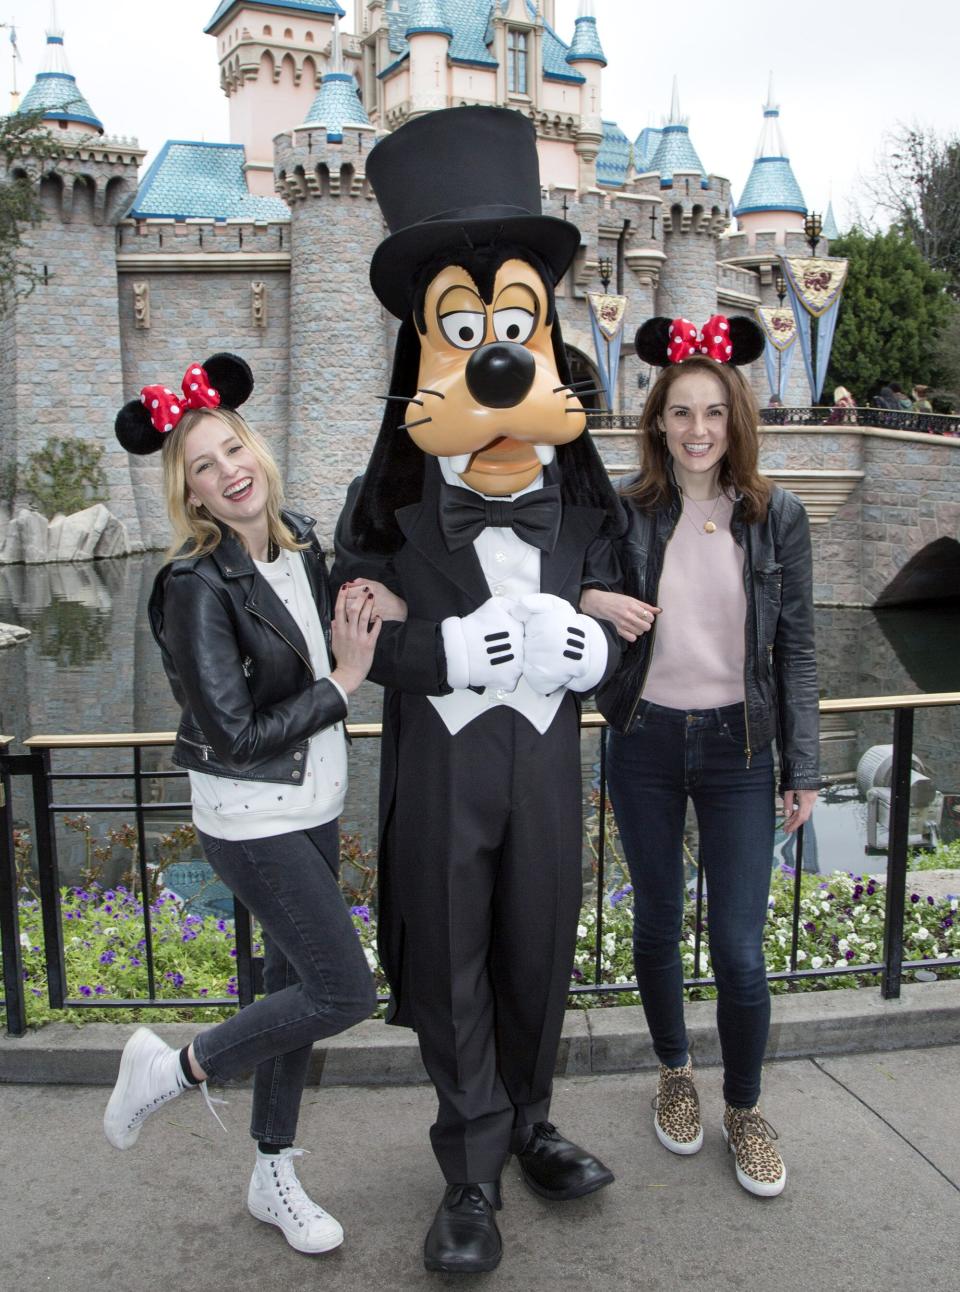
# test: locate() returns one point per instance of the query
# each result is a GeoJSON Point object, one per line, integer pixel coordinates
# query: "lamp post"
{"type": "Point", "coordinates": [780, 287]}
{"type": "Point", "coordinates": [812, 228]}
{"type": "Point", "coordinates": [605, 267]}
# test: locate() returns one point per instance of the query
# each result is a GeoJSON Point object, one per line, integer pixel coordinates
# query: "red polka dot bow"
{"type": "Point", "coordinates": [714, 340]}
{"type": "Point", "coordinates": [166, 408]}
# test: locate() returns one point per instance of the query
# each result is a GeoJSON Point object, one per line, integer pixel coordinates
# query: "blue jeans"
{"type": "Point", "coordinates": [315, 973]}
{"type": "Point", "coordinates": [668, 756]}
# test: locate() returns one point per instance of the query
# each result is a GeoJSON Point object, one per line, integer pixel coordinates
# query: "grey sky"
{"type": "Point", "coordinates": [855, 72]}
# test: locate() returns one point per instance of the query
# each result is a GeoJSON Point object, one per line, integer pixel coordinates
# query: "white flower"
{"type": "Point", "coordinates": [371, 957]}
{"type": "Point", "coordinates": [816, 962]}
{"type": "Point", "coordinates": [839, 964]}
{"type": "Point", "coordinates": [24, 941]}
{"type": "Point", "coordinates": [581, 930]}
{"type": "Point", "coordinates": [921, 934]}
{"type": "Point", "coordinates": [843, 945]}
{"type": "Point", "coordinates": [801, 954]}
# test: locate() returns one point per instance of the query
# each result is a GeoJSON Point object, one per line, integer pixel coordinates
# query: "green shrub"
{"type": "Point", "coordinates": [65, 476]}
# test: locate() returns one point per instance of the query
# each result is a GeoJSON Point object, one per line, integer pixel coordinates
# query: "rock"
{"type": "Point", "coordinates": [80, 533]}
{"type": "Point", "coordinates": [33, 536]}
{"type": "Point", "coordinates": [55, 537]}
{"type": "Point", "coordinates": [12, 547]}
{"type": "Point", "coordinates": [4, 523]}
{"type": "Point", "coordinates": [113, 541]}
{"type": "Point", "coordinates": [12, 634]}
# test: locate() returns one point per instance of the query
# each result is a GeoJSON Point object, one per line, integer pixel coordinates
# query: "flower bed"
{"type": "Point", "coordinates": [841, 925]}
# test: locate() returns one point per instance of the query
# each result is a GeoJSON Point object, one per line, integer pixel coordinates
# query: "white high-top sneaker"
{"type": "Point", "coordinates": [150, 1076]}
{"type": "Point", "coordinates": [277, 1197]}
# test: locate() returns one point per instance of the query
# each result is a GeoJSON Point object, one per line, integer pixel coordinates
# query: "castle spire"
{"type": "Point", "coordinates": [675, 153]}
{"type": "Point", "coordinates": [55, 92]}
{"type": "Point", "coordinates": [586, 47]}
{"type": "Point", "coordinates": [337, 103]}
{"type": "Point", "coordinates": [427, 17]}
{"type": "Point", "coordinates": [771, 185]}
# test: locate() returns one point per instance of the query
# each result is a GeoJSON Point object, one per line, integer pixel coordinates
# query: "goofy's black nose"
{"type": "Point", "coordinates": [499, 375]}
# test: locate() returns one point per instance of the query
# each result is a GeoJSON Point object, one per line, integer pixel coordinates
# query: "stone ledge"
{"type": "Point", "coordinates": [594, 1042]}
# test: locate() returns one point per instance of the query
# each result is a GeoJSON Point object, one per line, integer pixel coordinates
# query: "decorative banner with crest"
{"type": "Point", "coordinates": [780, 329]}
{"type": "Point", "coordinates": [607, 314]}
{"type": "Point", "coordinates": [815, 286]}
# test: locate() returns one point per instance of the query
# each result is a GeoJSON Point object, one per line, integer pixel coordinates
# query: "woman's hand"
{"type": "Point", "coordinates": [386, 604]}
{"type": "Point", "coordinates": [797, 806]}
{"type": "Point", "coordinates": [629, 616]}
{"type": "Point", "coordinates": [355, 632]}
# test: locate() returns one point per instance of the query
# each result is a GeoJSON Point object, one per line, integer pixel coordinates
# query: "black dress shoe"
{"type": "Point", "coordinates": [554, 1168]}
{"type": "Point", "coordinates": [464, 1237]}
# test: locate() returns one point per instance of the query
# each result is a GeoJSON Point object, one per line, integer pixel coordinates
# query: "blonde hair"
{"type": "Point", "coordinates": [195, 531]}
{"type": "Point", "coordinates": [739, 467]}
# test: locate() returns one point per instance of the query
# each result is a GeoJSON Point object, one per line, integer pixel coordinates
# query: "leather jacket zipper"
{"type": "Point", "coordinates": [205, 750]}
{"type": "Point", "coordinates": [653, 628]}
{"type": "Point", "coordinates": [264, 619]}
{"type": "Point", "coordinates": [750, 590]}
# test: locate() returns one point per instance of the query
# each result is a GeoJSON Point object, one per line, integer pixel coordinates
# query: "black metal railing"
{"type": "Point", "coordinates": [36, 767]}
{"type": "Point", "coordinates": [878, 419]}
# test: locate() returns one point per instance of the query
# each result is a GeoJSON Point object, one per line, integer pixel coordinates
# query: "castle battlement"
{"type": "Point", "coordinates": [307, 163]}
{"type": "Point", "coordinates": [208, 237]}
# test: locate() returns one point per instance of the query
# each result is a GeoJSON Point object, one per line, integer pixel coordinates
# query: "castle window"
{"type": "Point", "coordinates": [516, 61]}
{"type": "Point", "coordinates": [309, 38]}
{"type": "Point", "coordinates": [287, 34]}
{"type": "Point", "coordinates": [268, 31]}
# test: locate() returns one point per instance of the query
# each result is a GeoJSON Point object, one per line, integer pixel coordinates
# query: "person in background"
{"type": "Point", "coordinates": [718, 611]}
{"type": "Point", "coordinates": [921, 404]}
{"type": "Point", "coordinates": [844, 407]}
{"type": "Point", "coordinates": [262, 666]}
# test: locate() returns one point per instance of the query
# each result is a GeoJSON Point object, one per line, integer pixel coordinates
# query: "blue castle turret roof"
{"type": "Point", "coordinates": [645, 148]}
{"type": "Point", "coordinates": [614, 157]}
{"type": "Point", "coordinates": [471, 27]}
{"type": "Point", "coordinates": [337, 103]}
{"type": "Point", "coordinates": [190, 180]}
{"type": "Point", "coordinates": [55, 92]}
{"type": "Point", "coordinates": [586, 47]}
{"type": "Point", "coordinates": [830, 228]}
{"type": "Point", "coordinates": [427, 16]}
{"type": "Point", "coordinates": [771, 185]}
{"type": "Point", "coordinates": [675, 153]}
{"type": "Point", "coordinates": [312, 8]}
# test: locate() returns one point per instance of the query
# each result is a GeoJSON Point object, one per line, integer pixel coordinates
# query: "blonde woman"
{"type": "Point", "coordinates": [262, 666]}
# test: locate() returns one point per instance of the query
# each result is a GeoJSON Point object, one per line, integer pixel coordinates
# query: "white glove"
{"type": "Point", "coordinates": [560, 646]}
{"type": "Point", "coordinates": [484, 648]}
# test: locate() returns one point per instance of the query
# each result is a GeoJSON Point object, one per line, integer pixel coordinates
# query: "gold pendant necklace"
{"type": "Point", "coordinates": [708, 525]}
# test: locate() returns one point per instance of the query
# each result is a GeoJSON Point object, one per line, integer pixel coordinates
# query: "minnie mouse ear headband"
{"type": "Point", "coordinates": [736, 340]}
{"type": "Point", "coordinates": [222, 381]}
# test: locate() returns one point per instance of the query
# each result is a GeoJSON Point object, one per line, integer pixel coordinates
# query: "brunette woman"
{"type": "Point", "coordinates": [719, 613]}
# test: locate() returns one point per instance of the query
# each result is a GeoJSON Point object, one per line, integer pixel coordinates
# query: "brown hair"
{"type": "Point", "coordinates": [194, 525]}
{"type": "Point", "coordinates": [739, 470]}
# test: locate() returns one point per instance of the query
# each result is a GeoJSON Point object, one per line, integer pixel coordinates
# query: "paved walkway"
{"type": "Point", "coordinates": [871, 1141]}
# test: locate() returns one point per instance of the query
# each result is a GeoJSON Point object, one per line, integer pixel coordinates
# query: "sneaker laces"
{"type": "Point", "coordinates": [288, 1185]}
{"type": "Point", "coordinates": [677, 1085]}
{"type": "Point", "coordinates": [210, 1100]}
{"type": "Point", "coordinates": [746, 1122]}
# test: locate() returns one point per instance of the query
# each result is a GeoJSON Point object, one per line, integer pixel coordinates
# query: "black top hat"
{"type": "Point", "coordinates": [462, 175]}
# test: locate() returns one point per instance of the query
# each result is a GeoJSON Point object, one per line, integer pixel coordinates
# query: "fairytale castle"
{"type": "Point", "coordinates": [262, 245]}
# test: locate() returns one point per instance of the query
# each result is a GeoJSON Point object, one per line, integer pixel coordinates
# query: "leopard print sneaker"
{"type": "Point", "coordinates": [749, 1137]}
{"type": "Point", "coordinates": [676, 1110]}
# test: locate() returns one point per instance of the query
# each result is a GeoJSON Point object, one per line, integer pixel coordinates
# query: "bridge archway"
{"type": "Point", "coordinates": [931, 575]}
{"type": "Point", "coordinates": [584, 369]}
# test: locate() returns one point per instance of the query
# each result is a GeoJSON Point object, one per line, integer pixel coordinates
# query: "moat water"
{"type": "Point", "coordinates": [91, 666]}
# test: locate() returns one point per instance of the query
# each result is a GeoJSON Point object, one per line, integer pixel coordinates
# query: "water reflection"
{"type": "Point", "coordinates": [92, 666]}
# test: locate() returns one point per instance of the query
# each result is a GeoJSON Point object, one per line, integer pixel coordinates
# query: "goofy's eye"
{"type": "Point", "coordinates": [513, 324]}
{"type": "Point", "coordinates": [464, 329]}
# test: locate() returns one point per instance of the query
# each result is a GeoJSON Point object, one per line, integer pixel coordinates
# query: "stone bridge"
{"type": "Point", "coordinates": [884, 506]}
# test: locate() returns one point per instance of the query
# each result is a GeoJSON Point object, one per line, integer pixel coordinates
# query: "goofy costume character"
{"type": "Point", "coordinates": [486, 508]}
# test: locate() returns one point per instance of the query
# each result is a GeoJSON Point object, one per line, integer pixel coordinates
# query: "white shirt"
{"type": "Point", "coordinates": [241, 809]}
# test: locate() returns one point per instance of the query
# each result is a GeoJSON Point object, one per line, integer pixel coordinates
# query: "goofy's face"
{"type": "Point", "coordinates": [493, 401]}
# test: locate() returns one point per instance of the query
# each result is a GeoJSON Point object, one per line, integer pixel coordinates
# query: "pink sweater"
{"type": "Point", "coordinates": [698, 651]}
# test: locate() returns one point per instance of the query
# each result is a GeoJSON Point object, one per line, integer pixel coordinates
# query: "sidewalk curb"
{"type": "Point", "coordinates": [595, 1042]}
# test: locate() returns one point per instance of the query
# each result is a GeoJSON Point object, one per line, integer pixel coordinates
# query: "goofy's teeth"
{"type": "Point", "coordinates": [545, 452]}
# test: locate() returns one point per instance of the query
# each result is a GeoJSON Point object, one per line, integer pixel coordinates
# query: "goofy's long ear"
{"type": "Point", "coordinates": [584, 480]}
{"type": "Point", "coordinates": [394, 474]}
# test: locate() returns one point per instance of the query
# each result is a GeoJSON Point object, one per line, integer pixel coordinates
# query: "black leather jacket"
{"type": "Point", "coordinates": [780, 669]}
{"type": "Point", "coordinates": [238, 664]}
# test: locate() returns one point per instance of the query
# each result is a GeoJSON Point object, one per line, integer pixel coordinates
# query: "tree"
{"type": "Point", "coordinates": [26, 148]}
{"type": "Point", "coordinates": [918, 186]}
{"type": "Point", "coordinates": [893, 311]}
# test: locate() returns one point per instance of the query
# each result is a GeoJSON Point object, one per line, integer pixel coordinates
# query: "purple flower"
{"type": "Point", "coordinates": [188, 935]}
{"type": "Point", "coordinates": [175, 978]}
{"type": "Point", "coordinates": [857, 892]}
{"type": "Point", "coordinates": [786, 869]}
{"type": "Point", "coordinates": [617, 897]}
{"type": "Point", "coordinates": [914, 897]}
{"type": "Point", "coordinates": [947, 923]}
{"type": "Point", "coordinates": [848, 954]}
{"type": "Point", "coordinates": [108, 957]}
{"type": "Point", "coordinates": [134, 962]}
{"type": "Point", "coordinates": [204, 991]}
{"type": "Point", "coordinates": [222, 925]}
{"type": "Point", "coordinates": [810, 926]}
{"type": "Point", "coordinates": [100, 990]}
{"type": "Point", "coordinates": [86, 991]}
{"type": "Point", "coordinates": [233, 953]}
{"type": "Point", "coordinates": [931, 902]}
{"type": "Point", "coordinates": [871, 889]}
{"type": "Point", "coordinates": [362, 911]}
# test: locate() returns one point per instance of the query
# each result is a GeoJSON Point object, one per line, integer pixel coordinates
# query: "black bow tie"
{"type": "Point", "coordinates": [534, 517]}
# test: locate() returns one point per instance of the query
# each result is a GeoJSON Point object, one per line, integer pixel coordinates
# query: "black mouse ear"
{"type": "Point", "coordinates": [231, 377]}
{"type": "Point", "coordinates": [652, 339]}
{"type": "Point", "coordinates": [747, 339]}
{"type": "Point", "coordinates": [135, 430]}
